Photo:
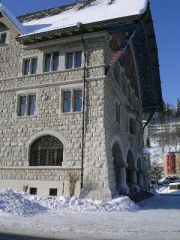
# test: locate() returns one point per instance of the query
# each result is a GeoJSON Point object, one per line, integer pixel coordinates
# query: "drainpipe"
{"type": "Point", "coordinates": [79, 25]}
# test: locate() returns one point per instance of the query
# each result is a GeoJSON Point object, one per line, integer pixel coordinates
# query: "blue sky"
{"type": "Point", "coordinates": [166, 19]}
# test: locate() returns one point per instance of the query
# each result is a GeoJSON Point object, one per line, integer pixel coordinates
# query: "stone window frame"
{"type": "Point", "coordinates": [74, 52]}
{"type": "Point", "coordinates": [46, 151]}
{"type": "Point", "coordinates": [26, 93]}
{"type": "Point", "coordinates": [72, 88]}
{"type": "Point", "coordinates": [4, 32]}
{"type": "Point", "coordinates": [30, 71]}
{"type": "Point", "coordinates": [51, 53]}
{"type": "Point", "coordinates": [39, 134]}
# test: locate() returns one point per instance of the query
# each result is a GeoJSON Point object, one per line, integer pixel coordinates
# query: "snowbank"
{"type": "Point", "coordinates": [20, 203]}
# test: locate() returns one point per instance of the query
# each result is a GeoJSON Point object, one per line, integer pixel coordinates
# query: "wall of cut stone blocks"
{"type": "Point", "coordinates": [17, 133]}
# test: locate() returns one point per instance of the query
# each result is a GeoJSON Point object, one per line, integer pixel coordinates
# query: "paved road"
{"type": "Point", "coordinates": [11, 236]}
{"type": "Point", "coordinates": [6, 236]}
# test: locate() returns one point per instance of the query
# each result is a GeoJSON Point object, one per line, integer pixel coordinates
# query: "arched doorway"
{"type": "Point", "coordinates": [46, 151]}
{"type": "Point", "coordinates": [119, 169]}
{"type": "Point", "coordinates": [131, 177]}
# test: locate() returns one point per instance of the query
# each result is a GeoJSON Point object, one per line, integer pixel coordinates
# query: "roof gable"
{"type": "Point", "coordinates": [7, 18]}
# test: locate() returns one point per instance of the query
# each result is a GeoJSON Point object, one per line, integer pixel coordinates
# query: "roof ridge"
{"type": "Point", "coordinates": [53, 11]}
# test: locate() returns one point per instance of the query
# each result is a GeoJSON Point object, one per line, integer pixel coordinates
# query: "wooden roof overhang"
{"type": "Point", "coordinates": [73, 30]}
{"type": "Point", "coordinates": [143, 44]}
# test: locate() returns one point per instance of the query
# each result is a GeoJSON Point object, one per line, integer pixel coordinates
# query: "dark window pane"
{"type": "Point", "coordinates": [33, 191]}
{"type": "Point", "coordinates": [53, 191]}
{"type": "Point", "coordinates": [77, 100]}
{"type": "Point", "coordinates": [32, 104]}
{"type": "Point", "coordinates": [22, 110]}
{"type": "Point", "coordinates": [78, 59]}
{"type": "Point", "coordinates": [55, 61]}
{"type": "Point", "coordinates": [69, 61]}
{"type": "Point", "coordinates": [3, 38]}
{"type": "Point", "coordinates": [47, 66]}
{"type": "Point", "coordinates": [132, 126]}
{"type": "Point", "coordinates": [34, 66]}
{"type": "Point", "coordinates": [118, 113]}
{"type": "Point", "coordinates": [26, 67]}
{"type": "Point", "coordinates": [67, 101]}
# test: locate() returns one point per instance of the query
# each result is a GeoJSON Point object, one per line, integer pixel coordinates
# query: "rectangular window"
{"type": "Point", "coordinates": [26, 66]}
{"type": "Point", "coordinates": [77, 100]}
{"type": "Point", "coordinates": [53, 192]}
{"type": "Point", "coordinates": [22, 110]}
{"type": "Point", "coordinates": [27, 105]}
{"type": "Point", "coordinates": [34, 66]}
{"type": "Point", "coordinates": [3, 38]}
{"type": "Point", "coordinates": [55, 65]}
{"type": "Point", "coordinates": [51, 62]}
{"type": "Point", "coordinates": [69, 60]}
{"type": "Point", "coordinates": [47, 66]}
{"type": "Point", "coordinates": [72, 101]}
{"type": "Point", "coordinates": [33, 191]}
{"type": "Point", "coordinates": [32, 105]}
{"type": "Point", "coordinates": [30, 66]}
{"type": "Point", "coordinates": [78, 59]}
{"type": "Point", "coordinates": [117, 112]}
{"type": "Point", "coordinates": [73, 60]}
{"type": "Point", "coordinates": [67, 101]}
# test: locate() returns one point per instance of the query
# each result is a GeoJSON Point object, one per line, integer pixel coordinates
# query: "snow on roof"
{"type": "Point", "coordinates": [11, 18]}
{"type": "Point", "coordinates": [99, 10]}
{"type": "Point", "coordinates": [88, 11]}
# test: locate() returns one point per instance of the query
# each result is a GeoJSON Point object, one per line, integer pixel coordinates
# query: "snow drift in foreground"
{"type": "Point", "coordinates": [20, 203]}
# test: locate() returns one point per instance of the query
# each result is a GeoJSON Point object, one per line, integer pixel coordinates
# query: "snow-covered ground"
{"type": "Point", "coordinates": [65, 218]}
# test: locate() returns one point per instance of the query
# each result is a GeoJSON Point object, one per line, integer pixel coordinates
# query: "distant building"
{"type": "Point", "coordinates": [157, 128]}
{"type": "Point", "coordinates": [74, 81]}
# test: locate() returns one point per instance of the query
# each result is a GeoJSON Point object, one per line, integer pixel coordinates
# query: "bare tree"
{"type": "Point", "coordinates": [156, 170]}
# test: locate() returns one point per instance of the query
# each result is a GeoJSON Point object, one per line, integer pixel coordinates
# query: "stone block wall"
{"type": "Point", "coordinates": [17, 133]}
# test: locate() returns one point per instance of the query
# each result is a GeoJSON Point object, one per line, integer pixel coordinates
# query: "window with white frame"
{"type": "Point", "coordinates": [51, 61]}
{"type": "Point", "coordinates": [26, 105]}
{"type": "Point", "coordinates": [3, 34]}
{"type": "Point", "coordinates": [30, 66]}
{"type": "Point", "coordinates": [73, 59]}
{"type": "Point", "coordinates": [72, 100]}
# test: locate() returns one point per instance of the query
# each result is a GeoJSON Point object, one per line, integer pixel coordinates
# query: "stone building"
{"type": "Point", "coordinates": [73, 87]}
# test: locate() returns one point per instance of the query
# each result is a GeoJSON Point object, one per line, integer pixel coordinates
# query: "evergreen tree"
{"type": "Point", "coordinates": [178, 108]}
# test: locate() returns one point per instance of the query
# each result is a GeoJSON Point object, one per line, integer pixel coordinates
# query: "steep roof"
{"type": "Point", "coordinates": [12, 19]}
{"type": "Point", "coordinates": [86, 12]}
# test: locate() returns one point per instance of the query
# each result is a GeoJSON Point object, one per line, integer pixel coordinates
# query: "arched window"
{"type": "Point", "coordinates": [46, 151]}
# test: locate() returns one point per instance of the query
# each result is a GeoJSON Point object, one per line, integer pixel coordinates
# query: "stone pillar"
{"type": "Point", "coordinates": [122, 186]}
{"type": "Point", "coordinates": [140, 180]}
{"type": "Point", "coordinates": [133, 183]}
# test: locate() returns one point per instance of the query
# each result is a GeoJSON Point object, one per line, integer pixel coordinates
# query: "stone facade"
{"type": "Point", "coordinates": [105, 155]}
